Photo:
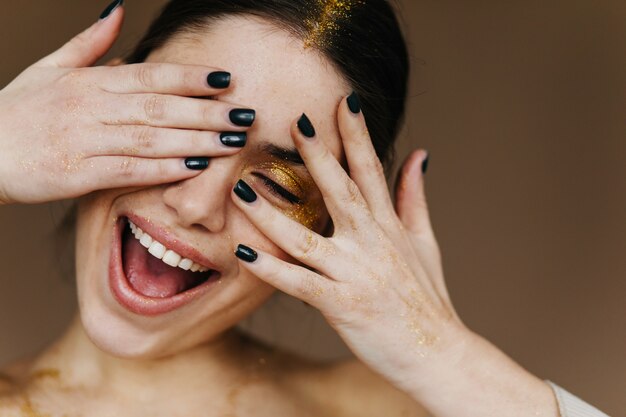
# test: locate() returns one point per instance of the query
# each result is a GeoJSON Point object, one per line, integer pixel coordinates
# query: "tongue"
{"type": "Point", "coordinates": [150, 276]}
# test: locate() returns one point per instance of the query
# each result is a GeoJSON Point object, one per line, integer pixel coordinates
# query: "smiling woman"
{"type": "Point", "coordinates": [192, 212]}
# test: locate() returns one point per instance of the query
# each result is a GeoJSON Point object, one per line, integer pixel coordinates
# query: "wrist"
{"type": "Point", "coordinates": [469, 376]}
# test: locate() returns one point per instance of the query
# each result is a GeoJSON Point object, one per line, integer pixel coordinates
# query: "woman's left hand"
{"type": "Point", "coordinates": [378, 280]}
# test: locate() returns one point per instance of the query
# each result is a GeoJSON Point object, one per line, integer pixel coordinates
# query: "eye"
{"type": "Point", "coordinates": [278, 190]}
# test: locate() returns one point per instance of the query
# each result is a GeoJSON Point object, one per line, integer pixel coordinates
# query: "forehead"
{"type": "Point", "coordinates": [272, 72]}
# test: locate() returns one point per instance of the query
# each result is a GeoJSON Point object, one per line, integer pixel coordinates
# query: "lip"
{"type": "Point", "coordinates": [139, 303]}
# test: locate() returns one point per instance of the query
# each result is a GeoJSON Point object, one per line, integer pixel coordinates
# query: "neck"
{"type": "Point", "coordinates": [214, 367]}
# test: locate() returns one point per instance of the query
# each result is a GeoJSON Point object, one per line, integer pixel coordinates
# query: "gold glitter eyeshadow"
{"type": "Point", "coordinates": [327, 21]}
{"type": "Point", "coordinates": [286, 177]}
{"type": "Point", "coordinates": [306, 212]}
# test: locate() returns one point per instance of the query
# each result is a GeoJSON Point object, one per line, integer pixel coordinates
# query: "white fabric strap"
{"type": "Point", "coordinates": [571, 406]}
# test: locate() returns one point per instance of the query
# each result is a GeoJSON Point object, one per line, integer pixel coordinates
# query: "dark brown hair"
{"type": "Point", "coordinates": [362, 38]}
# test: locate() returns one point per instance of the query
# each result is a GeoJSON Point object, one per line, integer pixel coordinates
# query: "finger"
{"type": "Point", "coordinates": [153, 142]}
{"type": "Point", "coordinates": [161, 110]}
{"type": "Point", "coordinates": [365, 168]}
{"type": "Point", "coordinates": [411, 203]}
{"type": "Point", "coordinates": [87, 47]}
{"type": "Point", "coordinates": [342, 196]}
{"type": "Point", "coordinates": [294, 280]}
{"type": "Point", "coordinates": [118, 172]}
{"type": "Point", "coordinates": [162, 78]}
{"type": "Point", "coordinates": [303, 244]}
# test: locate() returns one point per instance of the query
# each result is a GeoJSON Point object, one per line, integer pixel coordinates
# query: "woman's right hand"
{"type": "Point", "coordinates": [67, 129]}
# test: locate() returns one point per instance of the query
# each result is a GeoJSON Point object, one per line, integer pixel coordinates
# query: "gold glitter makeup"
{"type": "Point", "coordinates": [45, 373]}
{"type": "Point", "coordinates": [306, 212]}
{"type": "Point", "coordinates": [29, 410]}
{"type": "Point", "coordinates": [286, 176]}
{"type": "Point", "coordinates": [327, 21]}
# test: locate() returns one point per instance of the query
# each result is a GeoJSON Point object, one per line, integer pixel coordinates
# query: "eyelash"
{"type": "Point", "coordinates": [278, 190]}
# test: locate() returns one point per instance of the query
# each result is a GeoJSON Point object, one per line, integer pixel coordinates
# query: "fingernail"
{"type": "Point", "coordinates": [110, 8]}
{"type": "Point", "coordinates": [354, 104]}
{"type": "Point", "coordinates": [242, 117]}
{"type": "Point", "coordinates": [245, 192]}
{"type": "Point", "coordinates": [234, 139]}
{"type": "Point", "coordinates": [305, 126]}
{"type": "Point", "coordinates": [219, 79]}
{"type": "Point", "coordinates": [197, 164]}
{"type": "Point", "coordinates": [425, 163]}
{"type": "Point", "coordinates": [246, 254]}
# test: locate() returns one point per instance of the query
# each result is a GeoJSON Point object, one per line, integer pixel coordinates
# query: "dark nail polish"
{"type": "Point", "coordinates": [246, 254]}
{"type": "Point", "coordinates": [219, 79]}
{"type": "Point", "coordinates": [425, 164]}
{"type": "Point", "coordinates": [197, 164]}
{"type": "Point", "coordinates": [305, 126]}
{"type": "Point", "coordinates": [110, 8]}
{"type": "Point", "coordinates": [354, 104]}
{"type": "Point", "coordinates": [234, 139]}
{"type": "Point", "coordinates": [245, 192]}
{"type": "Point", "coordinates": [242, 117]}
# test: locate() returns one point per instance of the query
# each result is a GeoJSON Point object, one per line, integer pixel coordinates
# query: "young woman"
{"type": "Point", "coordinates": [230, 159]}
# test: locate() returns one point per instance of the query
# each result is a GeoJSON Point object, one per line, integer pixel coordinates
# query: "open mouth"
{"type": "Point", "coordinates": [149, 277]}
{"type": "Point", "coordinates": [156, 271]}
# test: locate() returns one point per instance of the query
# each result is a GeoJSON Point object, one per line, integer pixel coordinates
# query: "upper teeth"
{"type": "Point", "coordinates": [158, 250]}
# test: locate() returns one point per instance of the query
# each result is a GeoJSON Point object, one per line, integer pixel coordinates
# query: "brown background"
{"type": "Point", "coordinates": [522, 106]}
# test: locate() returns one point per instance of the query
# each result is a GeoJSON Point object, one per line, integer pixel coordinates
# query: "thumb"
{"type": "Point", "coordinates": [411, 204]}
{"type": "Point", "coordinates": [87, 47]}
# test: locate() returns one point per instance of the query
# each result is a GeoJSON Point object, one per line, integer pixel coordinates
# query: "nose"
{"type": "Point", "coordinates": [202, 200]}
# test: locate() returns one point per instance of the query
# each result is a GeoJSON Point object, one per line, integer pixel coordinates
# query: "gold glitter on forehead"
{"type": "Point", "coordinates": [327, 21]}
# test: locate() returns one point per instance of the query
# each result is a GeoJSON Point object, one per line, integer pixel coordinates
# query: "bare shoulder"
{"type": "Point", "coordinates": [349, 388]}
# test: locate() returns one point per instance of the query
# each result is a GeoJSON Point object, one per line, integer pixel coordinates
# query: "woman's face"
{"type": "Point", "coordinates": [134, 305]}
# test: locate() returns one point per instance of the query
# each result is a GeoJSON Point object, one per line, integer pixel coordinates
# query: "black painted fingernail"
{"type": "Point", "coordinates": [110, 8]}
{"type": "Point", "coordinates": [305, 126]}
{"type": "Point", "coordinates": [242, 117]}
{"type": "Point", "coordinates": [425, 164]}
{"type": "Point", "coordinates": [197, 164]}
{"type": "Point", "coordinates": [246, 254]}
{"type": "Point", "coordinates": [219, 79]}
{"type": "Point", "coordinates": [245, 192]}
{"type": "Point", "coordinates": [234, 139]}
{"type": "Point", "coordinates": [354, 104]}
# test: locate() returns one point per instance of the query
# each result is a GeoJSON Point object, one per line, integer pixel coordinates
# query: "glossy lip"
{"type": "Point", "coordinates": [139, 303]}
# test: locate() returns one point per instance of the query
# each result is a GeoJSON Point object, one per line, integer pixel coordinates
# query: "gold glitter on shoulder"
{"type": "Point", "coordinates": [327, 20]}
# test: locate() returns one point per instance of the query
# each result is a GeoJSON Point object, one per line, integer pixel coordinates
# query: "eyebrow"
{"type": "Point", "coordinates": [289, 154]}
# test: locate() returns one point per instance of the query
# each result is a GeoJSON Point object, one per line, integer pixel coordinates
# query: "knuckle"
{"type": "Point", "coordinates": [374, 166]}
{"type": "Point", "coordinates": [128, 167]}
{"type": "Point", "coordinates": [82, 41]}
{"type": "Point", "coordinates": [144, 76]}
{"type": "Point", "coordinates": [324, 153]}
{"type": "Point", "coordinates": [154, 107]}
{"type": "Point", "coordinates": [353, 193]}
{"type": "Point", "coordinates": [163, 170]}
{"type": "Point", "coordinates": [309, 286]}
{"type": "Point", "coordinates": [307, 244]}
{"type": "Point", "coordinates": [143, 137]}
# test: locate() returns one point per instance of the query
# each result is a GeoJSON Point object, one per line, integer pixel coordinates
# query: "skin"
{"type": "Point", "coordinates": [189, 361]}
{"type": "Point", "coordinates": [377, 278]}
